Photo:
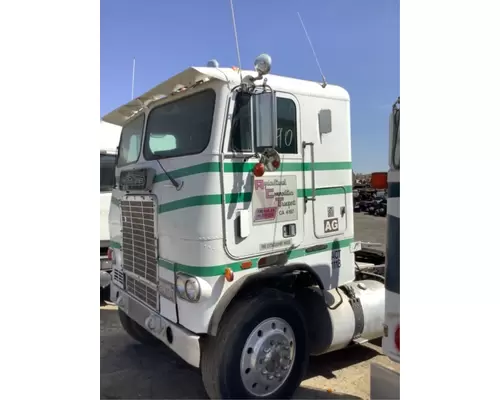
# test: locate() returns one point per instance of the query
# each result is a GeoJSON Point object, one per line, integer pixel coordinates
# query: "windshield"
{"type": "Point", "coordinates": [107, 172]}
{"type": "Point", "coordinates": [181, 127]}
{"type": "Point", "coordinates": [130, 141]}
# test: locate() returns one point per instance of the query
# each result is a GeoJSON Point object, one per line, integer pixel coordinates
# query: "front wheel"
{"type": "Point", "coordinates": [261, 349]}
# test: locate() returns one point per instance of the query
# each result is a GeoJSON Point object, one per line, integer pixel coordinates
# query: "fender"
{"type": "Point", "coordinates": [248, 280]}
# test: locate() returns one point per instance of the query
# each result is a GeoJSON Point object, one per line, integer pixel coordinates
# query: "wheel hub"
{"type": "Point", "coordinates": [267, 357]}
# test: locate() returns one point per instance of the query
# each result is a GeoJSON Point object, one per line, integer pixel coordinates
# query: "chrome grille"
{"type": "Point", "coordinates": [118, 276]}
{"type": "Point", "coordinates": [138, 242]}
{"type": "Point", "coordinates": [142, 292]}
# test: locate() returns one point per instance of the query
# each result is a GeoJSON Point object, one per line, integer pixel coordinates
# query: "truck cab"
{"type": "Point", "coordinates": [231, 227]}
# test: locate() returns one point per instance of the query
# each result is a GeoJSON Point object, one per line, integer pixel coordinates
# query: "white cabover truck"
{"type": "Point", "coordinates": [109, 138]}
{"type": "Point", "coordinates": [385, 382]}
{"type": "Point", "coordinates": [232, 227]}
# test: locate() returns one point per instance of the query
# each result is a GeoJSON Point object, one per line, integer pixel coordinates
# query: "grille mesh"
{"type": "Point", "coordinates": [118, 276]}
{"type": "Point", "coordinates": [143, 292]}
{"type": "Point", "coordinates": [138, 238]}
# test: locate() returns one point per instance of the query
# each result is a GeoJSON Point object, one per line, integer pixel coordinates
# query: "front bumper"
{"type": "Point", "coordinates": [181, 341]}
{"type": "Point", "coordinates": [384, 383]}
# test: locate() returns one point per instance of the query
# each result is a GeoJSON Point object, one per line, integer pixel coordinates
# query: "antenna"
{"type": "Point", "coordinates": [133, 77]}
{"type": "Point", "coordinates": [236, 38]}
{"type": "Point", "coordinates": [312, 48]}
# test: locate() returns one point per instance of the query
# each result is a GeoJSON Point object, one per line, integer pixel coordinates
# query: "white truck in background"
{"type": "Point", "coordinates": [384, 382]}
{"type": "Point", "coordinates": [109, 140]}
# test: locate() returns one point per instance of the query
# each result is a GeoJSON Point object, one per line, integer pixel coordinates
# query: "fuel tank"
{"type": "Point", "coordinates": [350, 314]}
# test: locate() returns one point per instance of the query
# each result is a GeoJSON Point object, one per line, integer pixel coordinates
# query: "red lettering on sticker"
{"type": "Point", "coordinates": [259, 184]}
{"type": "Point", "coordinates": [263, 214]}
{"type": "Point", "coordinates": [270, 193]}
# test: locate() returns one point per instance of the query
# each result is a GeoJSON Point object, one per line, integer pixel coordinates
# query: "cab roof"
{"type": "Point", "coordinates": [197, 75]}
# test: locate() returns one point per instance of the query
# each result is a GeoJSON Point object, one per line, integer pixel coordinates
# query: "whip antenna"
{"type": "Point", "coordinates": [133, 77]}
{"type": "Point", "coordinates": [236, 39]}
{"type": "Point", "coordinates": [312, 48]}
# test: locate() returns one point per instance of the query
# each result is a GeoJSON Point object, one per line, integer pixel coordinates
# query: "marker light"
{"type": "Point", "coordinates": [258, 170]}
{"type": "Point", "coordinates": [228, 274]}
{"type": "Point", "coordinates": [246, 265]}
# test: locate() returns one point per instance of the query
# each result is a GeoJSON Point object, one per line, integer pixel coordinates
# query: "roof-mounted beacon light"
{"type": "Point", "coordinates": [213, 63]}
{"type": "Point", "coordinates": [262, 64]}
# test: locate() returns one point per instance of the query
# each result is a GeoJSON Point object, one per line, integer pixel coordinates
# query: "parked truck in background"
{"type": "Point", "coordinates": [232, 228]}
{"type": "Point", "coordinates": [385, 382]}
{"type": "Point", "coordinates": [109, 138]}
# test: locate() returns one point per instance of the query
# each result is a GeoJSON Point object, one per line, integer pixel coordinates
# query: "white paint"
{"type": "Point", "coordinates": [207, 235]}
{"type": "Point", "coordinates": [244, 223]}
{"type": "Point", "coordinates": [393, 206]}
{"type": "Point", "coordinates": [109, 138]}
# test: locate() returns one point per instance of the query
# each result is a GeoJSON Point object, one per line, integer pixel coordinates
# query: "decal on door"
{"type": "Point", "coordinates": [274, 200]}
{"type": "Point", "coordinates": [336, 264]}
{"type": "Point", "coordinates": [331, 225]}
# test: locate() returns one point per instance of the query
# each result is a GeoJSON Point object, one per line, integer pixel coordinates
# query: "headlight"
{"type": "Point", "coordinates": [188, 288]}
{"type": "Point", "coordinates": [192, 288]}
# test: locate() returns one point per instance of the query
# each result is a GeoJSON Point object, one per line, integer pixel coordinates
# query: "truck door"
{"type": "Point", "coordinates": [263, 214]}
{"type": "Point", "coordinates": [327, 178]}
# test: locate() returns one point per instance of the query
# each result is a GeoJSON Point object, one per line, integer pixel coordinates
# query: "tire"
{"type": "Point", "coordinates": [105, 295]}
{"type": "Point", "coordinates": [221, 355]}
{"type": "Point", "coordinates": [137, 332]}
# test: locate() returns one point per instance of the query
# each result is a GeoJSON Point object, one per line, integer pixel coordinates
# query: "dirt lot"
{"type": "Point", "coordinates": [132, 371]}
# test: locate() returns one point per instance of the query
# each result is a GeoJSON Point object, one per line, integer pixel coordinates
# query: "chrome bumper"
{"type": "Point", "coordinates": [181, 341]}
{"type": "Point", "coordinates": [384, 383]}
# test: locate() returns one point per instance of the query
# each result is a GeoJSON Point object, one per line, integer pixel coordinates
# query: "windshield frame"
{"type": "Point", "coordinates": [146, 151]}
{"type": "Point", "coordinates": [108, 189]}
{"type": "Point", "coordinates": [129, 122]}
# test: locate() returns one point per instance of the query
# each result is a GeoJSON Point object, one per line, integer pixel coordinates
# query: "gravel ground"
{"type": "Point", "coordinates": [132, 371]}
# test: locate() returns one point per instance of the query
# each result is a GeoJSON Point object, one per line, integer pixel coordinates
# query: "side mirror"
{"type": "Point", "coordinates": [263, 107]}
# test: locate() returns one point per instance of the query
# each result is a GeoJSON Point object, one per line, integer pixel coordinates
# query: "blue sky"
{"type": "Point", "coordinates": [357, 43]}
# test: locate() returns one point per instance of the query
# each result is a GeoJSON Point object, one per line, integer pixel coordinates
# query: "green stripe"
{"type": "Point", "coordinates": [232, 198]}
{"type": "Point", "coordinates": [195, 169]}
{"type": "Point", "coordinates": [115, 201]}
{"type": "Point", "coordinates": [194, 201]}
{"type": "Point", "coordinates": [324, 191]}
{"type": "Point", "coordinates": [115, 245]}
{"type": "Point", "coordinates": [218, 270]}
{"type": "Point", "coordinates": [239, 167]}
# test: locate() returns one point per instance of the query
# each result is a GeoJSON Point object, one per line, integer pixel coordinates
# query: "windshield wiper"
{"type": "Point", "coordinates": [177, 185]}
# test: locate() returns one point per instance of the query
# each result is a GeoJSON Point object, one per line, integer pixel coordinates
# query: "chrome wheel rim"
{"type": "Point", "coordinates": [267, 357]}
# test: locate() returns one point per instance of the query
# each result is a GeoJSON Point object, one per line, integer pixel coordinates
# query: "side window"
{"type": "Point", "coordinates": [286, 136]}
{"type": "Point", "coordinates": [241, 140]}
{"type": "Point", "coordinates": [130, 142]}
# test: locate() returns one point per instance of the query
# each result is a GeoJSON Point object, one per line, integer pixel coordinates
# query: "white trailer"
{"type": "Point", "coordinates": [385, 382]}
{"type": "Point", "coordinates": [232, 228]}
{"type": "Point", "coordinates": [109, 138]}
